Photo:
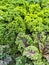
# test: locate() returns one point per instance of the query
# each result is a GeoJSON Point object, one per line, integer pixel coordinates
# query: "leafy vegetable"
{"type": "Point", "coordinates": [24, 27]}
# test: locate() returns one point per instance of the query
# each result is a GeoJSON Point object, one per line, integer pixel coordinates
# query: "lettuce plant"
{"type": "Point", "coordinates": [23, 41]}
{"type": "Point", "coordinates": [32, 53]}
{"type": "Point", "coordinates": [5, 58]}
{"type": "Point", "coordinates": [24, 26]}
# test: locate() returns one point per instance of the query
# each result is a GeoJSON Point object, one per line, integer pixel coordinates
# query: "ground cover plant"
{"type": "Point", "coordinates": [24, 32]}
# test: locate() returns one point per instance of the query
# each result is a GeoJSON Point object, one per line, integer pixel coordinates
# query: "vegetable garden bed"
{"type": "Point", "coordinates": [24, 32]}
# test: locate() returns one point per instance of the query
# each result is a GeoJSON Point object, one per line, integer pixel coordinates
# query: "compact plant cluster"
{"type": "Point", "coordinates": [24, 32]}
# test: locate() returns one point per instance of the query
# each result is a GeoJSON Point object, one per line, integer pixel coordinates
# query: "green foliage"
{"type": "Point", "coordinates": [33, 1]}
{"type": "Point", "coordinates": [34, 8]}
{"type": "Point", "coordinates": [23, 61]}
{"type": "Point", "coordinates": [23, 25]}
{"type": "Point", "coordinates": [2, 32]}
{"type": "Point", "coordinates": [23, 41]}
{"type": "Point", "coordinates": [39, 62]}
{"type": "Point", "coordinates": [34, 23]}
{"type": "Point", "coordinates": [17, 25]}
{"type": "Point", "coordinates": [32, 53]}
{"type": "Point", "coordinates": [5, 58]}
